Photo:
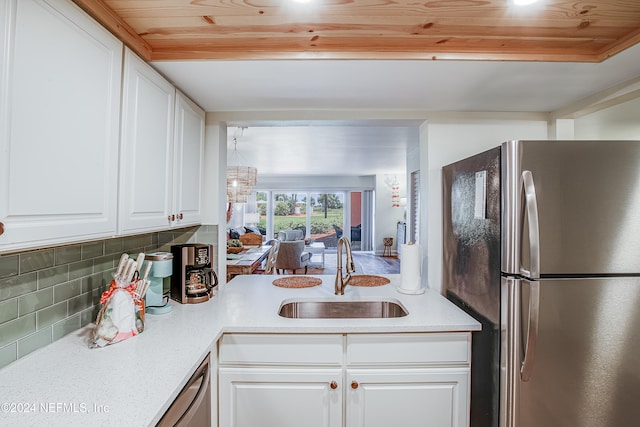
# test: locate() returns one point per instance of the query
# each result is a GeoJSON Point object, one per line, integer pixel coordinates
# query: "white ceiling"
{"type": "Point", "coordinates": [322, 149]}
{"type": "Point", "coordinates": [359, 148]}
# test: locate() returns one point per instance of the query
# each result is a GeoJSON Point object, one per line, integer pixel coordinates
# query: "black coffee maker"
{"type": "Point", "coordinates": [193, 278]}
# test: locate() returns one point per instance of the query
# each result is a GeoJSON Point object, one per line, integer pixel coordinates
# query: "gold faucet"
{"type": "Point", "coordinates": [342, 281]}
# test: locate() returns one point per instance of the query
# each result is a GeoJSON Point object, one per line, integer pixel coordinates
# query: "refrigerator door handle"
{"type": "Point", "coordinates": [531, 204]}
{"type": "Point", "coordinates": [526, 369]}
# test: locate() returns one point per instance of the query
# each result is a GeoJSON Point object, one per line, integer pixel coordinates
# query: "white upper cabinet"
{"type": "Point", "coordinates": [161, 155]}
{"type": "Point", "coordinates": [189, 151]}
{"type": "Point", "coordinates": [60, 80]}
{"type": "Point", "coordinates": [146, 158]}
{"type": "Point", "coordinates": [77, 161]}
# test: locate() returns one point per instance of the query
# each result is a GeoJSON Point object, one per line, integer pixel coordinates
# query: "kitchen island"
{"type": "Point", "coordinates": [134, 382]}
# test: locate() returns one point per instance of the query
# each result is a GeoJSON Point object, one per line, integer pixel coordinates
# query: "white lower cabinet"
{"type": "Point", "coordinates": [352, 380]}
{"type": "Point", "coordinates": [252, 397]}
{"type": "Point", "coordinates": [406, 397]}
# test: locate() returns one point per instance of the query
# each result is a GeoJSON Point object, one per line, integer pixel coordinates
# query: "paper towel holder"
{"type": "Point", "coordinates": [413, 291]}
{"type": "Point", "coordinates": [420, 290]}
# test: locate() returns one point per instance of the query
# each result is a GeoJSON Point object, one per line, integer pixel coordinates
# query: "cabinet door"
{"type": "Point", "coordinates": [407, 397]}
{"type": "Point", "coordinates": [59, 117]}
{"type": "Point", "coordinates": [251, 397]}
{"type": "Point", "coordinates": [147, 148]}
{"type": "Point", "coordinates": [189, 150]}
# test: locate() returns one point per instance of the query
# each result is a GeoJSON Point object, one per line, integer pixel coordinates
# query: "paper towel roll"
{"type": "Point", "coordinates": [411, 269]}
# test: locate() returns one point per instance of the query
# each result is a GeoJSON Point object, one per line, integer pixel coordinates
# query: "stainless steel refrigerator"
{"type": "Point", "coordinates": [541, 243]}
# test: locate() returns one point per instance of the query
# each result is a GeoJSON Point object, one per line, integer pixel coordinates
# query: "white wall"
{"type": "Point", "coordinates": [621, 121]}
{"type": "Point", "coordinates": [316, 183]}
{"type": "Point", "coordinates": [446, 143]}
{"type": "Point", "coordinates": [212, 203]}
{"type": "Point", "coordinates": [214, 186]}
{"type": "Point", "coordinates": [386, 217]}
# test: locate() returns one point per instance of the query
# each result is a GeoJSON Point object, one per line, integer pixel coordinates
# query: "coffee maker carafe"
{"type": "Point", "coordinates": [193, 278]}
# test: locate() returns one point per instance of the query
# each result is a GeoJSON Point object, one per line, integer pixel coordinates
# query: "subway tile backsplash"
{"type": "Point", "coordinates": [48, 293]}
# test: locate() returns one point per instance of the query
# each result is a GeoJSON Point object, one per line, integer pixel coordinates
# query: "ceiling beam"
{"type": "Point", "coordinates": [118, 27]}
{"type": "Point", "coordinates": [615, 95]}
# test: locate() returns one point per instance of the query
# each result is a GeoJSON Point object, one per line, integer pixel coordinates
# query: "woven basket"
{"type": "Point", "coordinates": [234, 250]}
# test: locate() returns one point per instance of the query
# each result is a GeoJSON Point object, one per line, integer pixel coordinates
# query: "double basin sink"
{"type": "Point", "coordinates": [332, 309]}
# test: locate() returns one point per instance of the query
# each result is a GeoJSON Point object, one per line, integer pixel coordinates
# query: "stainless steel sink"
{"type": "Point", "coordinates": [342, 310]}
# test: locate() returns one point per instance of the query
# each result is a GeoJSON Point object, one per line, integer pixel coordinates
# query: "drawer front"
{"type": "Point", "coordinates": [282, 349]}
{"type": "Point", "coordinates": [409, 349]}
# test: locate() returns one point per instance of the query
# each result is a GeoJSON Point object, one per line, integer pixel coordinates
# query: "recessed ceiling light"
{"type": "Point", "coordinates": [524, 2]}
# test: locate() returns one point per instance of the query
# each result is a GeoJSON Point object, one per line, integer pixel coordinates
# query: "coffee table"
{"type": "Point", "coordinates": [316, 248]}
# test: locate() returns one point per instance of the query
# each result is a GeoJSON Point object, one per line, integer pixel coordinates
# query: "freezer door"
{"type": "Point", "coordinates": [584, 369]}
{"type": "Point", "coordinates": [471, 269]}
{"type": "Point", "coordinates": [471, 232]}
{"type": "Point", "coordinates": [573, 204]}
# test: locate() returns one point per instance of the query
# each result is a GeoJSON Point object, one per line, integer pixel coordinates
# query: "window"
{"type": "Point", "coordinates": [327, 217]}
{"type": "Point", "coordinates": [290, 212]}
{"type": "Point", "coordinates": [322, 217]}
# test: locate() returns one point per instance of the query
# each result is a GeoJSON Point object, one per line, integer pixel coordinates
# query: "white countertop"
{"type": "Point", "coordinates": [133, 382]}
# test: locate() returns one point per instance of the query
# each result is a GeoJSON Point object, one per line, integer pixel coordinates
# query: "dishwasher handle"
{"type": "Point", "coordinates": [189, 403]}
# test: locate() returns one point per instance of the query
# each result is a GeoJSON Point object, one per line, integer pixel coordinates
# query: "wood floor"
{"type": "Point", "coordinates": [366, 263]}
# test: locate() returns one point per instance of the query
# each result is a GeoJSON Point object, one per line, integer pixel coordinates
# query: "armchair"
{"type": "Point", "coordinates": [291, 256]}
{"type": "Point", "coordinates": [356, 233]}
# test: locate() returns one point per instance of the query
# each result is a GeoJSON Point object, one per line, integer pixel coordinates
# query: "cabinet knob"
{"type": "Point", "coordinates": [180, 215]}
{"type": "Point", "coordinates": [172, 217]}
{"type": "Point", "coordinates": [333, 385]}
{"type": "Point", "coordinates": [1, 229]}
{"type": "Point", "coordinates": [354, 384]}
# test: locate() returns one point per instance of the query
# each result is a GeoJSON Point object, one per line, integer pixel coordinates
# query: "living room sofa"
{"type": "Point", "coordinates": [290, 235]}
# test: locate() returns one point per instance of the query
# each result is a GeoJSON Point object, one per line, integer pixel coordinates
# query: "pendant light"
{"type": "Point", "coordinates": [240, 179]}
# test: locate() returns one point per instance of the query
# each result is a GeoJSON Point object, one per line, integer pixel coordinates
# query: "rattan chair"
{"type": "Point", "coordinates": [271, 258]}
{"type": "Point", "coordinates": [270, 264]}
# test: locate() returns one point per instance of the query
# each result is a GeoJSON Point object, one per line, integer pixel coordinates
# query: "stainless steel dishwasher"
{"type": "Point", "coordinates": [192, 407]}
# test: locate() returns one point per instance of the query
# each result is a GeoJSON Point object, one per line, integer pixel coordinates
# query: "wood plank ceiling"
{"type": "Point", "coordinates": [553, 30]}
